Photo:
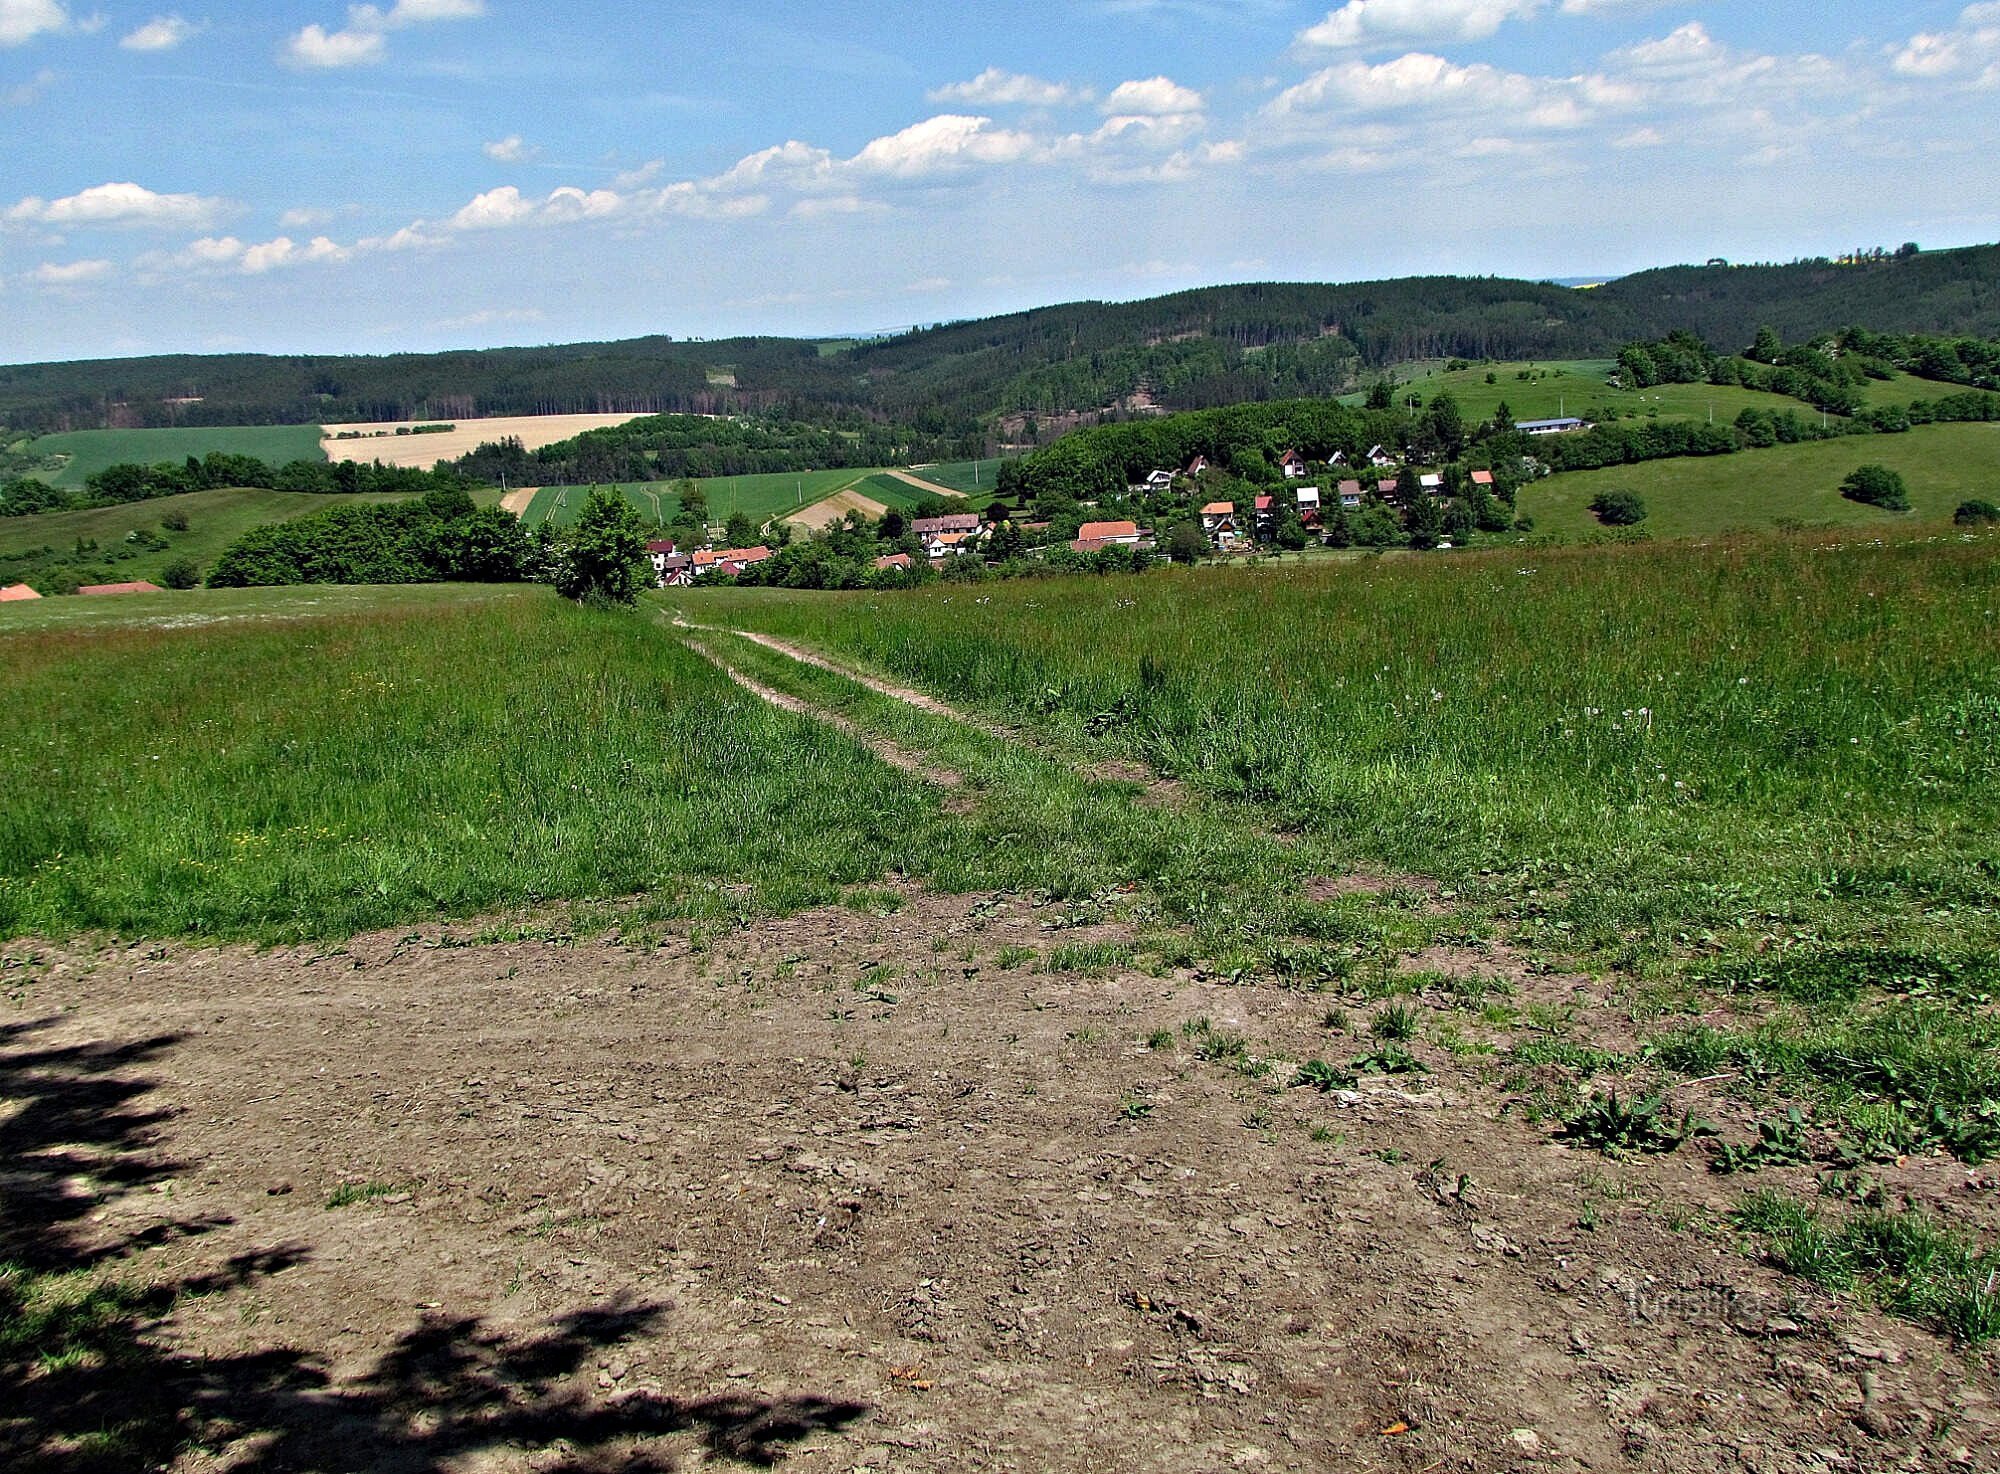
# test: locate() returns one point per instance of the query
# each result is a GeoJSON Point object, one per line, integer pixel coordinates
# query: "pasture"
{"type": "Point", "coordinates": [91, 451]}
{"type": "Point", "coordinates": [215, 519]}
{"type": "Point", "coordinates": [1701, 496]}
{"type": "Point", "coordinates": [1540, 391]}
{"type": "Point", "coordinates": [760, 498]}
{"type": "Point", "coordinates": [973, 479]}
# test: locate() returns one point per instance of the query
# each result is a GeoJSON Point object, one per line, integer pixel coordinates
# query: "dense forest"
{"type": "Point", "coordinates": [1190, 350]}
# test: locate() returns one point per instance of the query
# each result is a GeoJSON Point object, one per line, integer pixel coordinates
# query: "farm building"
{"type": "Point", "coordinates": [1551, 427]}
{"type": "Point", "coordinates": [140, 587]}
{"type": "Point", "coordinates": [17, 591]}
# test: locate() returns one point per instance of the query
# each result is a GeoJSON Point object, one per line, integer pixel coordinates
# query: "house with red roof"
{"type": "Point", "coordinates": [895, 560]}
{"type": "Point", "coordinates": [1218, 520]}
{"type": "Point", "coordinates": [1483, 479]}
{"type": "Point", "coordinates": [16, 592]}
{"type": "Point", "coordinates": [1094, 537]}
{"type": "Point", "coordinates": [1292, 464]}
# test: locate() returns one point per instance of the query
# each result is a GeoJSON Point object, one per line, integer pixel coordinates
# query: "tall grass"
{"type": "Point", "coordinates": [1668, 735]}
{"type": "Point", "coordinates": [320, 777]}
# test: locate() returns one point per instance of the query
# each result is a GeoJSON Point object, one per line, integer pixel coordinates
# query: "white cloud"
{"type": "Point", "coordinates": [70, 273]}
{"type": "Point", "coordinates": [996, 88]}
{"type": "Point", "coordinates": [364, 40]}
{"type": "Point", "coordinates": [643, 175]}
{"type": "Point", "coordinates": [120, 205]}
{"type": "Point", "coordinates": [947, 141]}
{"type": "Point", "coordinates": [1154, 97]}
{"type": "Point", "coordinates": [509, 150]}
{"type": "Point", "coordinates": [304, 218]}
{"type": "Point", "coordinates": [226, 253]}
{"type": "Point", "coordinates": [1974, 43]}
{"type": "Point", "coordinates": [23, 20]}
{"type": "Point", "coordinates": [162, 33]}
{"type": "Point", "coordinates": [1362, 24]}
{"type": "Point", "coordinates": [316, 47]}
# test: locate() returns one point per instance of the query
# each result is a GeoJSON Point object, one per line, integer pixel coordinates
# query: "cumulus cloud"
{"type": "Point", "coordinates": [944, 142]}
{"type": "Point", "coordinates": [1156, 97]}
{"type": "Point", "coordinates": [996, 88]}
{"type": "Point", "coordinates": [23, 20]}
{"type": "Point", "coordinates": [120, 205]}
{"type": "Point", "coordinates": [161, 33]}
{"type": "Point", "coordinates": [214, 254]}
{"type": "Point", "coordinates": [365, 37]}
{"type": "Point", "coordinates": [1972, 46]}
{"type": "Point", "coordinates": [1361, 24]}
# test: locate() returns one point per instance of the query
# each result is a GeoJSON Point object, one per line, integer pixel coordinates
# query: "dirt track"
{"type": "Point", "coordinates": [877, 1192]}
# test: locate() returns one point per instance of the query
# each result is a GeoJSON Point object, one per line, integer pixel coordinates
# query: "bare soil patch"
{"type": "Point", "coordinates": [832, 509]}
{"type": "Point", "coordinates": [518, 500]}
{"type": "Point", "coordinates": [856, 1190]}
{"type": "Point", "coordinates": [380, 442]}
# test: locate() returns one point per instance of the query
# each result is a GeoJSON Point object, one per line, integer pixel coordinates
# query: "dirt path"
{"type": "Point", "coordinates": [1156, 789]}
{"type": "Point", "coordinates": [817, 1190]}
{"type": "Point", "coordinates": [911, 478]}
{"type": "Point", "coordinates": [517, 501]}
{"type": "Point", "coordinates": [895, 755]}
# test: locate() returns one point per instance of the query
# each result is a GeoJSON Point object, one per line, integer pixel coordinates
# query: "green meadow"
{"type": "Point", "coordinates": [90, 451]}
{"type": "Point", "coordinates": [757, 497]}
{"type": "Point", "coordinates": [1540, 391]}
{"type": "Point", "coordinates": [1700, 496]}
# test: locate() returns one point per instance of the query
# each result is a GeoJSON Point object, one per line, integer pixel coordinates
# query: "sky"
{"type": "Point", "coordinates": [308, 176]}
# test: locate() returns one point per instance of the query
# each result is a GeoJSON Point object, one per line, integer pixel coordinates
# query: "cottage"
{"type": "Point", "coordinates": [948, 544]}
{"type": "Point", "coordinates": [1338, 458]}
{"type": "Point", "coordinates": [1483, 479]}
{"type": "Point", "coordinates": [1379, 458]}
{"type": "Point", "coordinates": [1308, 499]}
{"type": "Point", "coordinates": [674, 570]}
{"type": "Point", "coordinates": [1124, 533]}
{"type": "Point", "coordinates": [1350, 496]}
{"type": "Point", "coordinates": [1265, 509]}
{"type": "Point", "coordinates": [1218, 520]}
{"type": "Point", "coordinates": [1386, 488]}
{"type": "Point", "coordinates": [140, 587]}
{"type": "Point", "coordinates": [1196, 466]}
{"type": "Point", "coordinates": [1551, 427]}
{"type": "Point", "coordinates": [895, 560]}
{"type": "Point", "coordinates": [657, 554]}
{"type": "Point", "coordinates": [1293, 465]}
{"type": "Point", "coordinates": [1432, 483]}
{"type": "Point", "coordinates": [17, 591]}
{"type": "Point", "coordinates": [1158, 481]}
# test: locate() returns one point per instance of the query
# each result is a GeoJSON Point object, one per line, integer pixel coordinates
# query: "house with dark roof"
{"type": "Point", "coordinates": [1292, 464]}
{"type": "Point", "coordinates": [1350, 496]}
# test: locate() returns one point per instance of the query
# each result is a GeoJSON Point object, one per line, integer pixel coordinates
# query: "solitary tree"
{"type": "Point", "coordinates": [1878, 486]}
{"type": "Point", "coordinates": [741, 531]}
{"type": "Point", "coordinates": [602, 559]}
{"type": "Point", "coordinates": [1619, 508]}
{"type": "Point", "coordinates": [1187, 543]}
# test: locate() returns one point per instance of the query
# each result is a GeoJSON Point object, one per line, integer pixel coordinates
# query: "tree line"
{"type": "Point", "coordinates": [133, 482]}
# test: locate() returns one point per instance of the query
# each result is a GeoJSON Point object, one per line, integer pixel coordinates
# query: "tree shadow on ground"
{"type": "Point", "coordinates": [91, 1381]}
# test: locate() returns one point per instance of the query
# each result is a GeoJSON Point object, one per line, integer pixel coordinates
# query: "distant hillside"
{"type": "Point", "coordinates": [1218, 345]}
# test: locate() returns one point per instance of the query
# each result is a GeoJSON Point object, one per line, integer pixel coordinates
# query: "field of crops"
{"type": "Point", "coordinates": [90, 451]}
{"type": "Point", "coordinates": [757, 497]}
{"type": "Point", "coordinates": [1537, 391]}
{"type": "Point", "coordinates": [1699, 496]}
{"type": "Point", "coordinates": [974, 478]}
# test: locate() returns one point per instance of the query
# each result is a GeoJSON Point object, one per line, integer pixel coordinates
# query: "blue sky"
{"type": "Point", "coordinates": [315, 176]}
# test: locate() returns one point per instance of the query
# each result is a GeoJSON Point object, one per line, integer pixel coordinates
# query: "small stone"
{"type": "Point", "coordinates": [1779, 1325]}
{"type": "Point", "coordinates": [277, 1190]}
{"type": "Point", "coordinates": [1527, 1440]}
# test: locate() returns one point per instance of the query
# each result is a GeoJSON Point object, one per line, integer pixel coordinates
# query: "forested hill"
{"type": "Point", "coordinates": [1191, 350]}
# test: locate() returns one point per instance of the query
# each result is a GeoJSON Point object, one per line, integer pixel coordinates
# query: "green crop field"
{"type": "Point", "coordinates": [29, 545]}
{"type": "Point", "coordinates": [758, 497]}
{"type": "Point", "coordinates": [90, 451]}
{"type": "Point", "coordinates": [1698, 496]}
{"type": "Point", "coordinates": [974, 478]}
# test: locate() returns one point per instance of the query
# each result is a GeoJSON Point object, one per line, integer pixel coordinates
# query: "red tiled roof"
{"type": "Point", "coordinates": [744, 555]}
{"type": "Point", "coordinates": [140, 587]}
{"type": "Point", "coordinates": [1098, 531]}
{"type": "Point", "coordinates": [659, 547]}
{"type": "Point", "coordinates": [1263, 504]}
{"type": "Point", "coordinates": [894, 560]}
{"type": "Point", "coordinates": [17, 591]}
{"type": "Point", "coordinates": [1482, 478]}
{"type": "Point", "coordinates": [1219, 509]}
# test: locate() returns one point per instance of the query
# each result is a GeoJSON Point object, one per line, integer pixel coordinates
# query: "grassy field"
{"type": "Point", "coordinates": [90, 451]}
{"type": "Point", "coordinates": [758, 497]}
{"type": "Point", "coordinates": [1577, 387]}
{"type": "Point", "coordinates": [1701, 496]}
{"type": "Point", "coordinates": [215, 519]}
{"type": "Point", "coordinates": [974, 478]}
{"type": "Point", "coordinates": [315, 776]}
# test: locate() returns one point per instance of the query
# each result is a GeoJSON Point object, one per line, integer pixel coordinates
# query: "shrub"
{"type": "Point", "coordinates": [1877, 486]}
{"type": "Point", "coordinates": [182, 573]}
{"type": "Point", "coordinates": [175, 521]}
{"type": "Point", "coordinates": [1618, 508]}
{"type": "Point", "coordinates": [1972, 513]}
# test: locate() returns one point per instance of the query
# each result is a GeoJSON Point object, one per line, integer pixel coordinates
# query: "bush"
{"type": "Point", "coordinates": [1619, 508]}
{"type": "Point", "coordinates": [182, 573]}
{"type": "Point", "coordinates": [1877, 486]}
{"type": "Point", "coordinates": [1972, 513]}
{"type": "Point", "coordinates": [175, 521]}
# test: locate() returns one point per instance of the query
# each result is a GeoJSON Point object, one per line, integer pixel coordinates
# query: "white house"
{"type": "Point", "coordinates": [1380, 458]}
